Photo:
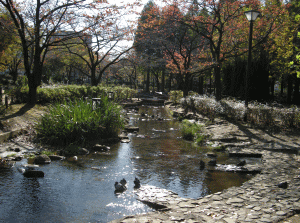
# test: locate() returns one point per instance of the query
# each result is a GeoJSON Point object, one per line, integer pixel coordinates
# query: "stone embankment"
{"type": "Point", "coordinates": [271, 196]}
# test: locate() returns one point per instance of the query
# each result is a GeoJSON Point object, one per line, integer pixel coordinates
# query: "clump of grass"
{"type": "Point", "coordinates": [48, 152]}
{"type": "Point", "coordinates": [200, 138]}
{"type": "Point", "coordinates": [78, 122]}
{"type": "Point", "coordinates": [11, 155]}
{"type": "Point", "coordinates": [190, 130]}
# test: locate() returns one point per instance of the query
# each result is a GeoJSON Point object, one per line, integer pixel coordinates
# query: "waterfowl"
{"type": "Point", "coordinates": [242, 163]}
{"type": "Point", "coordinates": [283, 185]}
{"type": "Point", "coordinates": [123, 182]}
{"type": "Point", "coordinates": [73, 159]}
{"type": "Point", "coordinates": [202, 164]}
{"type": "Point", "coordinates": [119, 187]}
{"type": "Point", "coordinates": [212, 162]}
{"type": "Point", "coordinates": [137, 183]}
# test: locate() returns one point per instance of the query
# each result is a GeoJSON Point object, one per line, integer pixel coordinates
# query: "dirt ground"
{"type": "Point", "coordinates": [20, 116]}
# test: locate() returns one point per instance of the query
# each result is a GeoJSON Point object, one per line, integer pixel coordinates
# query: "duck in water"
{"type": "Point", "coordinates": [202, 165]}
{"type": "Point", "coordinates": [123, 182]}
{"type": "Point", "coordinates": [119, 187]}
{"type": "Point", "coordinates": [137, 183]}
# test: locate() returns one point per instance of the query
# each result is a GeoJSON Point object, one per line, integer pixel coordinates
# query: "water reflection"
{"type": "Point", "coordinates": [83, 191]}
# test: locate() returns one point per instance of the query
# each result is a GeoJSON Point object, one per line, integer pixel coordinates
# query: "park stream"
{"type": "Point", "coordinates": [83, 191]}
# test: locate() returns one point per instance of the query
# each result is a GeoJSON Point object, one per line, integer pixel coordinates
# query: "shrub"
{"type": "Point", "coordinates": [60, 93]}
{"type": "Point", "coordinates": [290, 117]}
{"type": "Point", "coordinates": [175, 96]}
{"type": "Point", "coordinates": [76, 122]}
{"type": "Point", "coordinates": [204, 105]}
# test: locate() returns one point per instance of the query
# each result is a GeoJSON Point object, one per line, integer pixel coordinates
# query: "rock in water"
{"type": "Point", "coordinates": [42, 159]}
{"type": "Point", "coordinates": [33, 173]}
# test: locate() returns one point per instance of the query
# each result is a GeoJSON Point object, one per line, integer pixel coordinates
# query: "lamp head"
{"type": "Point", "coordinates": [252, 15]}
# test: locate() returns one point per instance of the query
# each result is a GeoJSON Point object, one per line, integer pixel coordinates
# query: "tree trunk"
{"type": "Point", "coordinates": [210, 83]}
{"type": "Point", "coordinates": [218, 85]}
{"type": "Point", "coordinates": [200, 90]}
{"type": "Point", "coordinates": [272, 87]}
{"type": "Point", "coordinates": [93, 77]}
{"type": "Point", "coordinates": [32, 95]}
{"type": "Point", "coordinates": [34, 80]}
{"type": "Point", "coordinates": [290, 89]}
{"type": "Point", "coordinates": [157, 84]}
{"type": "Point", "coordinates": [148, 80]}
{"type": "Point", "coordinates": [281, 88]}
{"type": "Point", "coordinates": [296, 91]}
{"type": "Point", "coordinates": [186, 84]}
{"type": "Point", "coordinates": [170, 82]}
{"type": "Point", "coordinates": [163, 81]}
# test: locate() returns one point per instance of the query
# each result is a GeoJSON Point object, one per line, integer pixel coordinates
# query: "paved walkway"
{"type": "Point", "coordinates": [257, 200]}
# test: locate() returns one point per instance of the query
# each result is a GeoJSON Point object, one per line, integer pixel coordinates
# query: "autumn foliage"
{"type": "Point", "coordinates": [194, 36]}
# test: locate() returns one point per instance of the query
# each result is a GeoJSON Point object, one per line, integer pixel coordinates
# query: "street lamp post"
{"type": "Point", "coordinates": [251, 16]}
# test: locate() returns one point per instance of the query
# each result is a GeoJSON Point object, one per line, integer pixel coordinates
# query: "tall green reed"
{"type": "Point", "coordinates": [78, 122]}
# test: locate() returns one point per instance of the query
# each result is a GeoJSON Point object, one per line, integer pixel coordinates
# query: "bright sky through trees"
{"type": "Point", "coordinates": [131, 13]}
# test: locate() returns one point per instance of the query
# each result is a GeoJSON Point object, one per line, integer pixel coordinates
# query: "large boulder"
{"type": "Point", "coordinates": [34, 173]}
{"type": "Point", "coordinates": [56, 157]}
{"type": "Point", "coordinates": [131, 128]}
{"type": "Point", "coordinates": [83, 151]}
{"type": "Point", "coordinates": [100, 148]}
{"type": "Point", "coordinates": [42, 159]}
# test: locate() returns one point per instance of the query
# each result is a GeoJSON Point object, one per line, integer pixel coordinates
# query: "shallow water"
{"type": "Point", "coordinates": [84, 191]}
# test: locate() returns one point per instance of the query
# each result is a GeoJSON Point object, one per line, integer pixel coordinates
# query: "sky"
{"type": "Point", "coordinates": [131, 17]}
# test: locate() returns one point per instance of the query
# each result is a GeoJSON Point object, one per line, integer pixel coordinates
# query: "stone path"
{"type": "Point", "coordinates": [260, 199]}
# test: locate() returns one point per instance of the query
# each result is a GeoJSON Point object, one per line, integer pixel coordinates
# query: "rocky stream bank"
{"type": "Point", "coordinates": [272, 195]}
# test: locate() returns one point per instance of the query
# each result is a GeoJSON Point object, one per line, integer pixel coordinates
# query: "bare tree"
{"type": "Point", "coordinates": [39, 23]}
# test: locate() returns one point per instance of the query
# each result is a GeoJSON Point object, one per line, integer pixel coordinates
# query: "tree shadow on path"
{"type": "Point", "coordinates": [21, 112]}
{"type": "Point", "coordinates": [264, 136]}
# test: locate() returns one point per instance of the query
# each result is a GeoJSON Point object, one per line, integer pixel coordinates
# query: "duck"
{"type": "Point", "coordinates": [119, 187]}
{"type": "Point", "coordinates": [202, 164]}
{"type": "Point", "coordinates": [212, 162]}
{"type": "Point", "coordinates": [73, 159]}
{"type": "Point", "coordinates": [242, 163]}
{"type": "Point", "coordinates": [137, 183]}
{"type": "Point", "coordinates": [123, 182]}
